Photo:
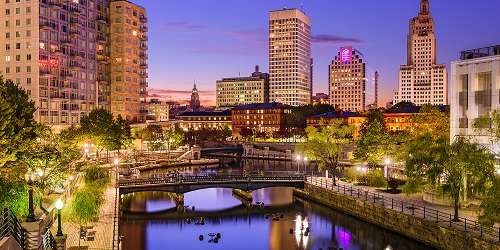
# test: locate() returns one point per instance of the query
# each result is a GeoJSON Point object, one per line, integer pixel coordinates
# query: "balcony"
{"type": "Point", "coordinates": [143, 55]}
{"type": "Point", "coordinates": [66, 74]}
{"type": "Point", "coordinates": [144, 28]}
{"type": "Point", "coordinates": [74, 33]}
{"type": "Point", "coordinates": [47, 72]}
{"type": "Point", "coordinates": [66, 41]}
{"type": "Point", "coordinates": [74, 65]}
{"type": "Point", "coordinates": [143, 19]}
{"type": "Point", "coordinates": [143, 37]}
{"type": "Point", "coordinates": [143, 65]}
{"type": "Point", "coordinates": [74, 20]}
{"type": "Point", "coordinates": [55, 4]}
{"type": "Point", "coordinates": [101, 39]}
{"type": "Point", "coordinates": [44, 25]}
{"type": "Point", "coordinates": [143, 47]}
{"type": "Point", "coordinates": [101, 18]}
{"type": "Point", "coordinates": [102, 58]}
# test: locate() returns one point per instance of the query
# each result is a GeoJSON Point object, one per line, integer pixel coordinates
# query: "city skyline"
{"type": "Point", "coordinates": [232, 48]}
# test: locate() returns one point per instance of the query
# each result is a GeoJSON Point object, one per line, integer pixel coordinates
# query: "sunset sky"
{"type": "Point", "coordinates": [202, 41]}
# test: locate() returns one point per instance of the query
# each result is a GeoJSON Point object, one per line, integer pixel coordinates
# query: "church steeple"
{"type": "Point", "coordinates": [424, 7]}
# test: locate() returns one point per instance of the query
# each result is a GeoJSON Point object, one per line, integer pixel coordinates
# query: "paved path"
{"type": "Point", "coordinates": [103, 228]}
{"type": "Point", "coordinates": [413, 205]}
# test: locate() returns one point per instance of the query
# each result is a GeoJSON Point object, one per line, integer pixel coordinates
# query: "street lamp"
{"type": "Point", "coordinates": [305, 164]}
{"type": "Point", "coordinates": [116, 161]}
{"type": "Point", "coordinates": [298, 157]}
{"type": "Point", "coordinates": [30, 177]}
{"type": "Point", "coordinates": [59, 205]}
{"type": "Point", "coordinates": [387, 162]}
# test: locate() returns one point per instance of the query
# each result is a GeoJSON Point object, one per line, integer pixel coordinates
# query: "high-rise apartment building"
{"type": "Point", "coordinates": [128, 60]}
{"type": "Point", "coordinates": [290, 57]}
{"type": "Point", "coordinates": [421, 80]}
{"type": "Point", "coordinates": [474, 92]}
{"type": "Point", "coordinates": [243, 90]}
{"type": "Point", "coordinates": [49, 48]}
{"type": "Point", "coordinates": [58, 51]}
{"type": "Point", "coordinates": [347, 84]}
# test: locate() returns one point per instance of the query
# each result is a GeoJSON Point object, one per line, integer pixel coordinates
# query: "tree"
{"type": "Point", "coordinates": [17, 126]}
{"type": "Point", "coordinates": [490, 205]}
{"type": "Point", "coordinates": [489, 124]}
{"type": "Point", "coordinates": [100, 127]}
{"type": "Point", "coordinates": [173, 138]}
{"type": "Point", "coordinates": [375, 144]}
{"type": "Point", "coordinates": [326, 145]}
{"type": "Point", "coordinates": [430, 119]}
{"type": "Point", "coordinates": [154, 135]}
{"type": "Point", "coordinates": [297, 118]}
{"type": "Point", "coordinates": [461, 169]}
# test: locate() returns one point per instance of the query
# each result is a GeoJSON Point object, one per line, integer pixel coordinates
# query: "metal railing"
{"type": "Point", "coordinates": [419, 211]}
{"type": "Point", "coordinates": [115, 245]}
{"type": "Point", "coordinates": [178, 179]}
{"type": "Point", "coordinates": [48, 241]}
{"type": "Point", "coordinates": [10, 226]}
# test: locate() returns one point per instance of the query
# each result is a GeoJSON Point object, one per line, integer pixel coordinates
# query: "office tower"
{"type": "Point", "coordinates": [376, 89]}
{"type": "Point", "coordinates": [128, 60]}
{"type": "Point", "coordinates": [290, 57]}
{"type": "Point", "coordinates": [49, 49]}
{"type": "Point", "coordinates": [243, 90]}
{"type": "Point", "coordinates": [475, 80]}
{"type": "Point", "coordinates": [194, 104]}
{"type": "Point", "coordinates": [421, 80]}
{"type": "Point", "coordinates": [347, 82]}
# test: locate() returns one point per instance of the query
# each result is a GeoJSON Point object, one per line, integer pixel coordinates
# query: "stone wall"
{"type": "Point", "coordinates": [425, 231]}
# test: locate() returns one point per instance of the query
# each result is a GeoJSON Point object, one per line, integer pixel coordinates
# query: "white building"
{"type": "Point", "coordinates": [474, 91]}
{"type": "Point", "coordinates": [422, 80]}
{"type": "Point", "coordinates": [290, 57]}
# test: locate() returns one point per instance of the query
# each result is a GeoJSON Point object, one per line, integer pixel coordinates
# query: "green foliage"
{"type": "Point", "coordinates": [375, 144]}
{"type": "Point", "coordinates": [104, 131]}
{"type": "Point", "coordinates": [153, 134]}
{"type": "Point", "coordinates": [14, 195]}
{"type": "Point", "coordinates": [298, 117]}
{"type": "Point", "coordinates": [490, 205]}
{"type": "Point", "coordinates": [208, 134]}
{"type": "Point", "coordinates": [96, 175]}
{"type": "Point", "coordinates": [86, 204]}
{"type": "Point", "coordinates": [174, 138]}
{"type": "Point", "coordinates": [461, 169]}
{"type": "Point", "coordinates": [431, 120]}
{"type": "Point", "coordinates": [326, 145]}
{"type": "Point", "coordinates": [375, 178]}
{"type": "Point", "coordinates": [489, 125]}
{"type": "Point", "coordinates": [17, 127]}
{"type": "Point", "coordinates": [374, 115]}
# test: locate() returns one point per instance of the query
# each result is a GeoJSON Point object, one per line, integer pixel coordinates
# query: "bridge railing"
{"type": "Point", "coordinates": [410, 208]}
{"type": "Point", "coordinates": [169, 179]}
{"type": "Point", "coordinates": [10, 226]}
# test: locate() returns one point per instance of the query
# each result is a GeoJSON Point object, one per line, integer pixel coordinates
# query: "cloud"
{"type": "Point", "coordinates": [333, 39]}
{"type": "Point", "coordinates": [207, 97]}
{"type": "Point", "coordinates": [162, 92]}
{"type": "Point", "coordinates": [185, 26]}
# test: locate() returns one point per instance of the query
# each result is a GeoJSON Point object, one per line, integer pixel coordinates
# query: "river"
{"type": "Point", "coordinates": [151, 220]}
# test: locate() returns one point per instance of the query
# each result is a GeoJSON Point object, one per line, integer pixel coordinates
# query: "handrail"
{"type": "Point", "coordinates": [48, 241]}
{"type": "Point", "coordinates": [169, 179]}
{"type": "Point", "coordinates": [409, 208]}
{"type": "Point", "coordinates": [10, 226]}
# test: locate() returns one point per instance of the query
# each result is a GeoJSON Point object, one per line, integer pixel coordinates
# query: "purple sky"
{"type": "Point", "coordinates": [206, 40]}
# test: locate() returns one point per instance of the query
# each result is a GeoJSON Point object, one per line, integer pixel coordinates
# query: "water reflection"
{"type": "Point", "coordinates": [284, 223]}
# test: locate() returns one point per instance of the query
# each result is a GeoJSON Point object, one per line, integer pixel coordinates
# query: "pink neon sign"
{"type": "Point", "coordinates": [346, 54]}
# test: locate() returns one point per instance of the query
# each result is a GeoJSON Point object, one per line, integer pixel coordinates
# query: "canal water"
{"type": "Point", "coordinates": [151, 220]}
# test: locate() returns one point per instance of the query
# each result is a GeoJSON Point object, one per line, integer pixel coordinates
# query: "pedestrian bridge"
{"type": "Point", "coordinates": [184, 184]}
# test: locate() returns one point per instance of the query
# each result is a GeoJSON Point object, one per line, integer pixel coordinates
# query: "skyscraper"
{"type": "Point", "coordinates": [421, 80]}
{"type": "Point", "coordinates": [128, 60]}
{"type": "Point", "coordinates": [59, 52]}
{"type": "Point", "coordinates": [290, 57]}
{"type": "Point", "coordinates": [347, 83]}
{"type": "Point", "coordinates": [50, 50]}
{"type": "Point", "coordinates": [195, 100]}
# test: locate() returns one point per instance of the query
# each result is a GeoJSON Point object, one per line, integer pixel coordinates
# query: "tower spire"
{"type": "Point", "coordinates": [424, 6]}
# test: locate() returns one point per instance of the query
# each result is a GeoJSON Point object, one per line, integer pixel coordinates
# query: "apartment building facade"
{"type": "Point", "coordinates": [58, 51]}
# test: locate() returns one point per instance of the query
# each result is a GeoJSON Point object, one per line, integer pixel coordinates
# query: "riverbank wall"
{"type": "Point", "coordinates": [422, 230]}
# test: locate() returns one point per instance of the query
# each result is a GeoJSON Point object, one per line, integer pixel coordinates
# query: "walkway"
{"type": "Point", "coordinates": [412, 205]}
{"type": "Point", "coordinates": [103, 228]}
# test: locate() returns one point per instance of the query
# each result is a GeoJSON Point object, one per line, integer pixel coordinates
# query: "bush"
{"type": "Point", "coordinates": [14, 196]}
{"type": "Point", "coordinates": [86, 204]}
{"type": "Point", "coordinates": [375, 178]}
{"type": "Point", "coordinates": [96, 175]}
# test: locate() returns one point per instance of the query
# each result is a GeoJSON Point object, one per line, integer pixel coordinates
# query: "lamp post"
{"type": "Point", "coordinates": [30, 176]}
{"type": "Point", "coordinates": [59, 205]}
{"type": "Point", "coordinates": [298, 162]}
{"type": "Point", "coordinates": [305, 164]}
{"type": "Point", "coordinates": [387, 162]}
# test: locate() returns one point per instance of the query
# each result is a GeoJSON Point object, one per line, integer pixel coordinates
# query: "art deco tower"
{"type": "Point", "coordinates": [290, 57]}
{"type": "Point", "coordinates": [421, 80]}
{"type": "Point", "coordinates": [195, 100]}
